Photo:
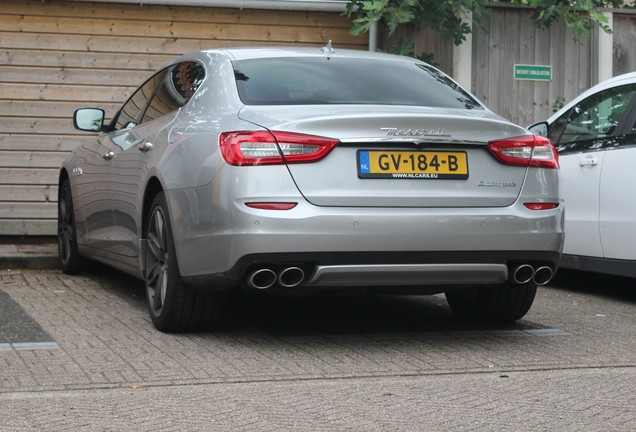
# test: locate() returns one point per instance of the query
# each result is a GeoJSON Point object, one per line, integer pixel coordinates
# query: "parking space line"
{"type": "Point", "coordinates": [28, 346]}
{"type": "Point", "coordinates": [24, 346]}
{"type": "Point", "coordinates": [429, 335]}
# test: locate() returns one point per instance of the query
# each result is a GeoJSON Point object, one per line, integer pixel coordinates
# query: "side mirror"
{"type": "Point", "coordinates": [540, 128]}
{"type": "Point", "coordinates": [89, 119]}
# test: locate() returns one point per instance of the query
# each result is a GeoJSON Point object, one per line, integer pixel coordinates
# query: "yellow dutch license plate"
{"type": "Point", "coordinates": [412, 164]}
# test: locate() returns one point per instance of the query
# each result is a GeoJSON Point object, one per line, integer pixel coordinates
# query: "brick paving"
{"type": "Point", "coordinates": [353, 363]}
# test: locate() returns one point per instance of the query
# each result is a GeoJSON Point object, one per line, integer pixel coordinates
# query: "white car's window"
{"type": "Point", "coordinates": [322, 80]}
{"type": "Point", "coordinates": [585, 125]}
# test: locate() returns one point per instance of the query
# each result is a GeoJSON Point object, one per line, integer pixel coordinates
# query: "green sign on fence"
{"type": "Point", "coordinates": [533, 72]}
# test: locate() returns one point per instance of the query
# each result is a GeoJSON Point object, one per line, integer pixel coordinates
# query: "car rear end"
{"type": "Point", "coordinates": [356, 170]}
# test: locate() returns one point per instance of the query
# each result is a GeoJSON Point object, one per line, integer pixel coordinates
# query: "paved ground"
{"type": "Point", "coordinates": [80, 353]}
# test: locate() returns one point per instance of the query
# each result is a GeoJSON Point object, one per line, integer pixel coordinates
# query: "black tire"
{"type": "Point", "coordinates": [71, 260]}
{"type": "Point", "coordinates": [501, 304]}
{"type": "Point", "coordinates": [173, 306]}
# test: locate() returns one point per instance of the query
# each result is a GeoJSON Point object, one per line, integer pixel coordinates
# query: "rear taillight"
{"type": "Point", "coordinates": [246, 148]}
{"type": "Point", "coordinates": [528, 150]}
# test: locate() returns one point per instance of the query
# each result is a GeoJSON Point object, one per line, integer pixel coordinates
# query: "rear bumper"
{"type": "Point", "coordinates": [223, 244]}
{"type": "Point", "coordinates": [430, 271]}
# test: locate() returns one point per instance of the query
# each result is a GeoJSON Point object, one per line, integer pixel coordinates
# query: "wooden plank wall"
{"type": "Point", "coordinates": [508, 37]}
{"type": "Point", "coordinates": [624, 37]}
{"type": "Point", "coordinates": [426, 41]}
{"type": "Point", "coordinates": [56, 56]}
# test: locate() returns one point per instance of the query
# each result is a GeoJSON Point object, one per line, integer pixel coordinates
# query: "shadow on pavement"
{"type": "Point", "coordinates": [351, 314]}
{"type": "Point", "coordinates": [328, 314]}
{"type": "Point", "coordinates": [598, 284]}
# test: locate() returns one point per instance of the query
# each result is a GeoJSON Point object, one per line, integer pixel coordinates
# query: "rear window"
{"type": "Point", "coordinates": [323, 80]}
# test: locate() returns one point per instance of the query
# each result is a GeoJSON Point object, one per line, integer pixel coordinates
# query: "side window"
{"type": "Point", "coordinates": [585, 125]}
{"type": "Point", "coordinates": [631, 126]}
{"type": "Point", "coordinates": [176, 90]}
{"type": "Point", "coordinates": [129, 113]}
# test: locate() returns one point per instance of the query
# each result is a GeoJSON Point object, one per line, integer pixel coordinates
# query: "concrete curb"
{"type": "Point", "coordinates": [42, 256]}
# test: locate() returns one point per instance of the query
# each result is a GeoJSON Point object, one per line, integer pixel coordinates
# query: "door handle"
{"type": "Point", "coordinates": [146, 146]}
{"type": "Point", "coordinates": [588, 162]}
{"type": "Point", "coordinates": [109, 155]}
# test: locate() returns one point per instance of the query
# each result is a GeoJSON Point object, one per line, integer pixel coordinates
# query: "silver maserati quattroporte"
{"type": "Point", "coordinates": [303, 170]}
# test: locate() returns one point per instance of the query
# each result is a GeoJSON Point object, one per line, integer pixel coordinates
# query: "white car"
{"type": "Point", "coordinates": [595, 135]}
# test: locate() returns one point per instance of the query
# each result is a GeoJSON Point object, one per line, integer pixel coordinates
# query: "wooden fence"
{"type": "Point", "coordinates": [507, 37]}
{"type": "Point", "coordinates": [624, 37]}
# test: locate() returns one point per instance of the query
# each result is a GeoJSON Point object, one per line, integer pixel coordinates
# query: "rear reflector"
{"type": "Point", "coordinates": [248, 148]}
{"type": "Point", "coordinates": [527, 150]}
{"type": "Point", "coordinates": [541, 206]}
{"type": "Point", "coordinates": [272, 205]}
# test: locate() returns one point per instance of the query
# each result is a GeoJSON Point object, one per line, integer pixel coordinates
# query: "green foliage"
{"type": "Point", "coordinates": [579, 15]}
{"type": "Point", "coordinates": [445, 16]}
{"type": "Point", "coordinates": [449, 17]}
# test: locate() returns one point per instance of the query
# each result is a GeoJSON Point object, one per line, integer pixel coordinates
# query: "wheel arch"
{"type": "Point", "coordinates": [70, 258]}
{"type": "Point", "coordinates": [153, 188]}
{"type": "Point", "coordinates": [61, 178]}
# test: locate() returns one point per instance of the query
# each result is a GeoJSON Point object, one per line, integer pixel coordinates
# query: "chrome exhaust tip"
{"type": "Point", "coordinates": [291, 277]}
{"type": "Point", "coordinates": [543, 275]}
{"type": "Point", "coordinates": [523, 274]}
{"type": "Point", "coordinates": [262, 278]}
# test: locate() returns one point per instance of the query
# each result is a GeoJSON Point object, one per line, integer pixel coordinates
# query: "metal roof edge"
{"type": "Point", "coordinates": [301, 5]}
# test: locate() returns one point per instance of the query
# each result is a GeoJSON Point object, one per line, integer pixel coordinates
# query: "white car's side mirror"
{"type": "Point", "coordinates": [540, 128]}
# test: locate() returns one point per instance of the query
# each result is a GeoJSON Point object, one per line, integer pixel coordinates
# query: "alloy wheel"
{"type": "Point", "coordinates": [66, 226]}
{"type": "Point", "coordinates": [157, 261]}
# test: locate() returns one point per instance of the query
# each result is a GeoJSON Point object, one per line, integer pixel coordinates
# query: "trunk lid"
{"type": "Point", "coordinates": [399, 156]}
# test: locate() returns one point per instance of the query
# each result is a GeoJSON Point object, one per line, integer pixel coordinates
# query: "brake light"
{"type": "Point", "coordinates": [246, 148]}
{"type": "Point", "coordinates": [527, 150]}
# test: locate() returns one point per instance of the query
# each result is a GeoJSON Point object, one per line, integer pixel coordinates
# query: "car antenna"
{"type": "Point", "coordinates": [328, 49]}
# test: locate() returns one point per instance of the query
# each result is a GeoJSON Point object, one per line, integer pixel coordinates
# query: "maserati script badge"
{"type": "Point", "coordinates": [414, 132]}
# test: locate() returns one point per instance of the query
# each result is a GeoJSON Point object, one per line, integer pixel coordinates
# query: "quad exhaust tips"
{"type": "Point", "coordinates": [525, 273]}
{"type": "Point", "coordinates": [264, 278]}
{"type": "Point", "coordinates": [292, 276]}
